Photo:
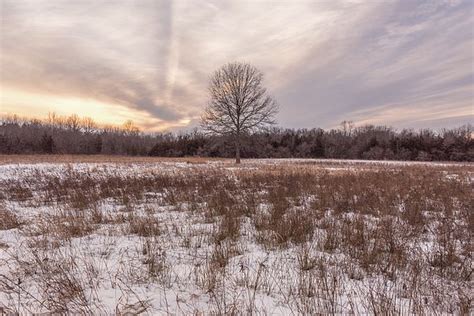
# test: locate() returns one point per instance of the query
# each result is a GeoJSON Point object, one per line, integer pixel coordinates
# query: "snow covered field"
{"type": "Point", "coordinates": [276, 237]}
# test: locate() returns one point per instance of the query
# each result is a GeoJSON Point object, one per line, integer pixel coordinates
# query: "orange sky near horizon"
{"type": "Point", "coordinates": [33, 105]}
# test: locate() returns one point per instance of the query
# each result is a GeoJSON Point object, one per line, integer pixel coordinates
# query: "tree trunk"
{"type": "Point", "coordinates": [237, 150]}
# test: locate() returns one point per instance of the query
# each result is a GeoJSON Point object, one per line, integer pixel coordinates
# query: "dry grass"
{"type": "Point", "coordinates": [33, 159]}
{"type": "Point", "coordinates": [380, 240]}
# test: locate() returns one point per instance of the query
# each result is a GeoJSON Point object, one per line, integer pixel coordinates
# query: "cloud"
{"type": "Point", "coordinates": [407, 55]}
{"type": "Point", "coordinates": [324, 61]}
{"type": "Point", "coordinates": [116, 54]}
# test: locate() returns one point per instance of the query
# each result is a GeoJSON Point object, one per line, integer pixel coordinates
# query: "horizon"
{"type": "Point", "coordinates": [127, 125]}
{"type": "Point", "coordinates": [392, 63]}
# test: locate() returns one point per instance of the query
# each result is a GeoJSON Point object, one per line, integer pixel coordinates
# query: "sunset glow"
{"type": "Point", "coordinates": [400, 63]}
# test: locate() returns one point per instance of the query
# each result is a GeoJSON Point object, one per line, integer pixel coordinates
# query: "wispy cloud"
{"type": "Point", "coordinates": [324, 61]}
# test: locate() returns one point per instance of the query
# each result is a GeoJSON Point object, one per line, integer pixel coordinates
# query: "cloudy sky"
{"type": "Point", "coordinates": [401, 63]}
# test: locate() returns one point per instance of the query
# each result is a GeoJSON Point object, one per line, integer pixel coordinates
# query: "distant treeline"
{"type": "Point", "coordinates": [75, 135]}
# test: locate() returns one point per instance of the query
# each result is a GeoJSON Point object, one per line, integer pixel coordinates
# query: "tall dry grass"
{"type": "Point", "coordinates": [384, 240]}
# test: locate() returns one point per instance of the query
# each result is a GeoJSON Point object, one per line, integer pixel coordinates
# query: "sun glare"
{"type": "Point", "coordinates": [34, 105]}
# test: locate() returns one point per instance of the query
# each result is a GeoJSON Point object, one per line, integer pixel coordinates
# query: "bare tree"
{"type": "Point", "coordinates": [238, 103]}
{"type": "Point", "coordinates": [73, 122]}
{"type": "Point", "coordinates": [129, 128]}
{"type": "Point", "coordinates": [88, 125]}
{"type": "Point", "coordinates": [347, 127]}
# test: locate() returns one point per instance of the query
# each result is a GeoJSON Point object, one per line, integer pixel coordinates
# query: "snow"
{"type": "Point", "coordinates": [111, 265]}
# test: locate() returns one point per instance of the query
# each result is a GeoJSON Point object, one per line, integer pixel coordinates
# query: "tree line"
{"type": "Point", "coordinates": [75, 135]}
{"type": "Point", "coordinates": [71, 135]}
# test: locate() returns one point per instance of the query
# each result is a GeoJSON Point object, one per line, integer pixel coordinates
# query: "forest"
{"type": "Point", "coordinates": [75, 135]}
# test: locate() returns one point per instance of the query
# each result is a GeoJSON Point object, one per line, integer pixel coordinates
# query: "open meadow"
{"type": "Point", "coordinates": [112, 235]}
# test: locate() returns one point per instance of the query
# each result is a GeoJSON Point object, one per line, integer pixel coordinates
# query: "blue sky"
{"type": "Point", "coordinates": [399, 63]}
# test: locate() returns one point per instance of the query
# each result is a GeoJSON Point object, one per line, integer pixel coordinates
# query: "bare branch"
{"type": "Point", "coordinates": [238, 101]}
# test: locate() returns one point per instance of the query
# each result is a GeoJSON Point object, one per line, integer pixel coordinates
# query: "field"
{"type": "Point", "coordinates": [112, 235]}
